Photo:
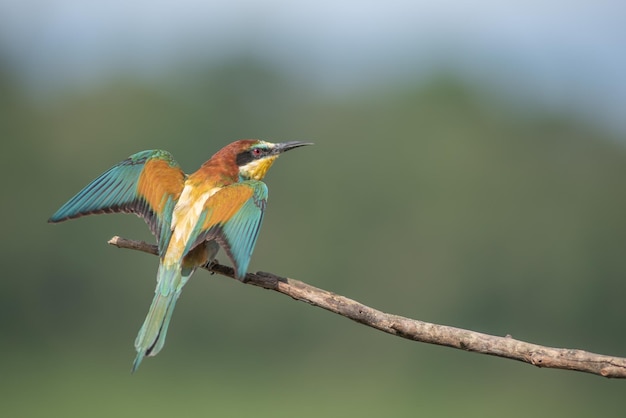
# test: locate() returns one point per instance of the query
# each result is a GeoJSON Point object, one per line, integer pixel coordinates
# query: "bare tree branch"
{"type": "Point", "coordinates": [507, 347]}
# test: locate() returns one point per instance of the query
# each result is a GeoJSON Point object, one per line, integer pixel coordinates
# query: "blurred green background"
{"type": "Point", "coordinates": [427, 195]}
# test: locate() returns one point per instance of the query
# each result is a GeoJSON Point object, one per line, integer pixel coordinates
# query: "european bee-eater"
{"type": "Point", "coordinates": [191, 216]}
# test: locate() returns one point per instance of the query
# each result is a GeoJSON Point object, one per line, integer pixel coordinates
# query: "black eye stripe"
{"type": "Point", "coordinates": [245, 157]}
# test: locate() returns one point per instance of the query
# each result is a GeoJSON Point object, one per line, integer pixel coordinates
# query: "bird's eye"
{"type": "Point", "coordinates": [257, 152]}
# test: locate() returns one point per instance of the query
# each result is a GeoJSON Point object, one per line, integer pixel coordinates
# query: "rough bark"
{"type": "Point", "coordinates": [412, 329]}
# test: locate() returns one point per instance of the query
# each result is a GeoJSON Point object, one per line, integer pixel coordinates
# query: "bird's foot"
{"type": "Point", "coordinates": [210, 264]}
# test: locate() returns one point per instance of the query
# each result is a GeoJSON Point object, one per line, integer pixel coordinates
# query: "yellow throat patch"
{"type": "Point", "coordinates": [257, 169]}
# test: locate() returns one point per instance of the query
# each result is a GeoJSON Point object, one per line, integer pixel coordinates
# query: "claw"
{"type": "Point", "coordinates": [210, 264]}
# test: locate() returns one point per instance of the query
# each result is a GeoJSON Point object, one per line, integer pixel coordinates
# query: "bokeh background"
{"type": "Point", "coordinates": [468, 170]}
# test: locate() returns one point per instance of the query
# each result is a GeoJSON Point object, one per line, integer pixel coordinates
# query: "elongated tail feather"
{"type": "Point", "coordinates": [170, 281]}
{"type": "Point", "coordinates": [151, 336]}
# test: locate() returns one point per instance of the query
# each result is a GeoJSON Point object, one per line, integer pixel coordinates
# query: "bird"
{"type": "Point", "coordinates": [221, 205]}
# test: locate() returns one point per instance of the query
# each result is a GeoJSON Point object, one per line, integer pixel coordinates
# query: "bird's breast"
{"type": "Point", "coordinates": [185, 217]}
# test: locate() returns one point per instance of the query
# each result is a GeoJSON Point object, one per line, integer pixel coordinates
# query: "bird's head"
{"type": "Point", "coordinates": [255, 157]}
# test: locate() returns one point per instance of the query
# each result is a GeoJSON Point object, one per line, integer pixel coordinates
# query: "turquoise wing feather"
{"type": "Point", "coordinates": [147, 184]}
{"type": "Point", "coordinates": [240, 233]}
{"type": "Point", "coordinates": [232, 218]}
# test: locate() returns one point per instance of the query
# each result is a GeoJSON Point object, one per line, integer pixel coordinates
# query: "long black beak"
{"type": "Point", "coordinates": [286, 146]}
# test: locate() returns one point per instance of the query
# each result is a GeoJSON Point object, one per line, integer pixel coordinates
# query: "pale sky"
{"type": "Point", "coordinates": [573, 48]}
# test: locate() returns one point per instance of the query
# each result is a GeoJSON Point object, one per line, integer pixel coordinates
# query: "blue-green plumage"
{"type": "Point", "coordinates": [242, 230]}
{"type": "Point", "coordinates": [170, 282]}
{"type": "Point", "coordinates": [118, 190]}
{"type": "Point", "coordinates": [152, 333]}
{"type": "Point", "coordinates": [238, 234]}
{"type": "Point", "coordinates": [191, 216]}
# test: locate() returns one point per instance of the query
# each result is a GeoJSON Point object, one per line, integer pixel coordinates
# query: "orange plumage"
{"type": "Point", "coordinates": [219, 205]}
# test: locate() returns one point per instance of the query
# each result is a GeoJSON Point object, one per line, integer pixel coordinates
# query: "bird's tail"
{"type": "Point", "coordinates": [152, 334]}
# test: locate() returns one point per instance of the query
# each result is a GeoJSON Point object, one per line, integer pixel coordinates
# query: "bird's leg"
{"type": "Point", "coordinates": [208, 250]}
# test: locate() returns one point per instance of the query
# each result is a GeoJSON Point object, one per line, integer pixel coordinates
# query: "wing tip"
{"type": "Point", "coordinates": [241, 276]}
{"type": "Point", "coordinates": [57, 218]}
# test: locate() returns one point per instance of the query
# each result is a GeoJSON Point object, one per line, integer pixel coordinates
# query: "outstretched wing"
{"type": "Point", "coordinates": [147, 184]}
{"type": "Point", "coordinates": [233, 217]}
